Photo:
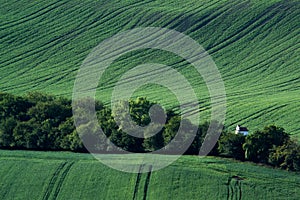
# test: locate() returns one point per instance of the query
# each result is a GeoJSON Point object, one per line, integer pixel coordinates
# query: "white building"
{"type": "Point", "coordinates": [241, 130]}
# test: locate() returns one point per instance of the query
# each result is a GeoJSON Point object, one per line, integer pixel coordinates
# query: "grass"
{"type": "Point", "coordinates": [255, 45]}
{"type": "Point", "coordinates": [64, 175]}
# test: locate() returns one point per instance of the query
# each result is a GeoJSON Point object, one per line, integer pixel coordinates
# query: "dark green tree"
{"type": "Point", "coordinates": [231, 145]}
{"type": "Point", "coordinates": [7, 126]}
{"type": "Point", "coordinates": [14, 106]}
{"type": "Point", "coordinates": [65, 129]}
{"type": "Point", "coordinates": [129, 117]}
{"type": "Point", "coordinates": [258, 145]}
{"type": "Point", "coordinates": [91, 137]}
{"type": "Point", "coordinates": [26, 135]}
{"type": "Point", "coordinates": [286, 156]}
{"type": "Point", "coordinates": [155, 142]}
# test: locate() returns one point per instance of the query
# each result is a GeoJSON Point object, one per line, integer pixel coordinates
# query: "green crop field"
{"type": "Point", "coordinates": [255, 45]}
{"type": "Point", "coordinates": [62, 175]}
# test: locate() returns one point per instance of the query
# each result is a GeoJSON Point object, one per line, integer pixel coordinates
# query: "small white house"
{"type": "Point", "coordinates": [241, 130]}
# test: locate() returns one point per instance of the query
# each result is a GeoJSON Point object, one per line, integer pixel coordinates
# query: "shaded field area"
{"type": "Point", "coordinates": [64, 175]}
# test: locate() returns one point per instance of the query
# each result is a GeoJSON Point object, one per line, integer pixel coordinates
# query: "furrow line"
{"type": "Point", "coordinates": [208, 18]}
{"type": "Point", "coordinates": [62, 178]}
{"type": "Point", "coordinates": [271, 59]}
{"type": "Point", "coordinates": [146, 186]}
{"type": "Point", "coordinates": [53, 181]}
{"type": "Point", "coordinates": [138, 179]}
{"type": "Point", "coordinates": [247, 29]}
{"type": "Point", "coordinates": [189, 14]}
{"type": "Point", "coordinates": [32, 16]}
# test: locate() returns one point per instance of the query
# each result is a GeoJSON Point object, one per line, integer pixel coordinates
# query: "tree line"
{"type": "Point", "coordinates": [44, 122]}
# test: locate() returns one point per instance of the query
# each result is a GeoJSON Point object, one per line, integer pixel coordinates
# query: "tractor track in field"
{"type": "Point", "coordinates": [268, 58]}
{"type": "Point", "coordinates": [209, 17]}
{"type": "Point", "coordinates": [57, 178]}
{"type": "Point", "coordinates": [252, 25]}
{"type": "Point", "coordinates": [46, 9]}
{"type": "Point", "coordinates": [147, 182]}
{"type": "Point", "coordinates": [275, 57]}
{"type": "Point", "coordinates": [53, 180]}
{"type": "Point", "coordinates": [255, 115]}
{"type": "Point", "coordinates": [73, 33]}
{"type": "Point", "coordinates": [138, 180]}
{"type": "Point", "coordinates": [62, 178]}
{"type": "Point", "coordinates": [179, 19]}
{"type": "Point", "coordinates": [3, 195]}
{"type": "Point", "coordinates": [234, 188]}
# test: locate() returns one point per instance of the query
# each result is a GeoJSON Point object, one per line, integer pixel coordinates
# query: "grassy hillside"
{"type": "Point", "coordinates": [255, 45]}
{"type": "Point", "coordinates": [56, 175]}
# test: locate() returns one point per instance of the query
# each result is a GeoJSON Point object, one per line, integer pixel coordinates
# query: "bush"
{"type": "Point", "coordinates": [286, 156]}
{"type": "Point", "coordinates": [44, 122]}
{"type": "Point", "coordinates": [258, 145]}
{"type": "Point", "coordinates": [231, 145]}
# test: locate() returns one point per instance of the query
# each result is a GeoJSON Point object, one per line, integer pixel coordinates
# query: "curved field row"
{"type": "Point", "coordinates": [255, 45]}
{"type": "Point", "coordinates": [58, 175]}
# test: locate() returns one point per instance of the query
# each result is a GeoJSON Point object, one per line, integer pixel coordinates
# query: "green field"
{"type": "Point", "coordinates": [63, 175]}
{"type": "Point", "coordinates": [255, 45]}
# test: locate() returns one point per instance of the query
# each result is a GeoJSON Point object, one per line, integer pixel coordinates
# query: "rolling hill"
{"type": "Point", "coordinates": [63, 175]}
{"type": "Point", "coordinates": [255, 45]}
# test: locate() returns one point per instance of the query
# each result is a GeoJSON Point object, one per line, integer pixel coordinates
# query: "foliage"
{"type": "Point", "coordinates": [286, 156]}
{"type": "Point", "coordinates": [231, 145]}
{"type": "Point", "coordinates": [258, 145]}
{"type": "Point", "coordinates": [272, 145]}
{"type": "Point", "coordinates": [253, 43]}
{"type": "Point", "coordinates": [43, 122]}
{"type": "Point", "coordinates": [34, 121]}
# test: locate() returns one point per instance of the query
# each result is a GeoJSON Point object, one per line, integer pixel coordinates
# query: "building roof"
{"type": "Point", "coordinates": [241, 128]}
